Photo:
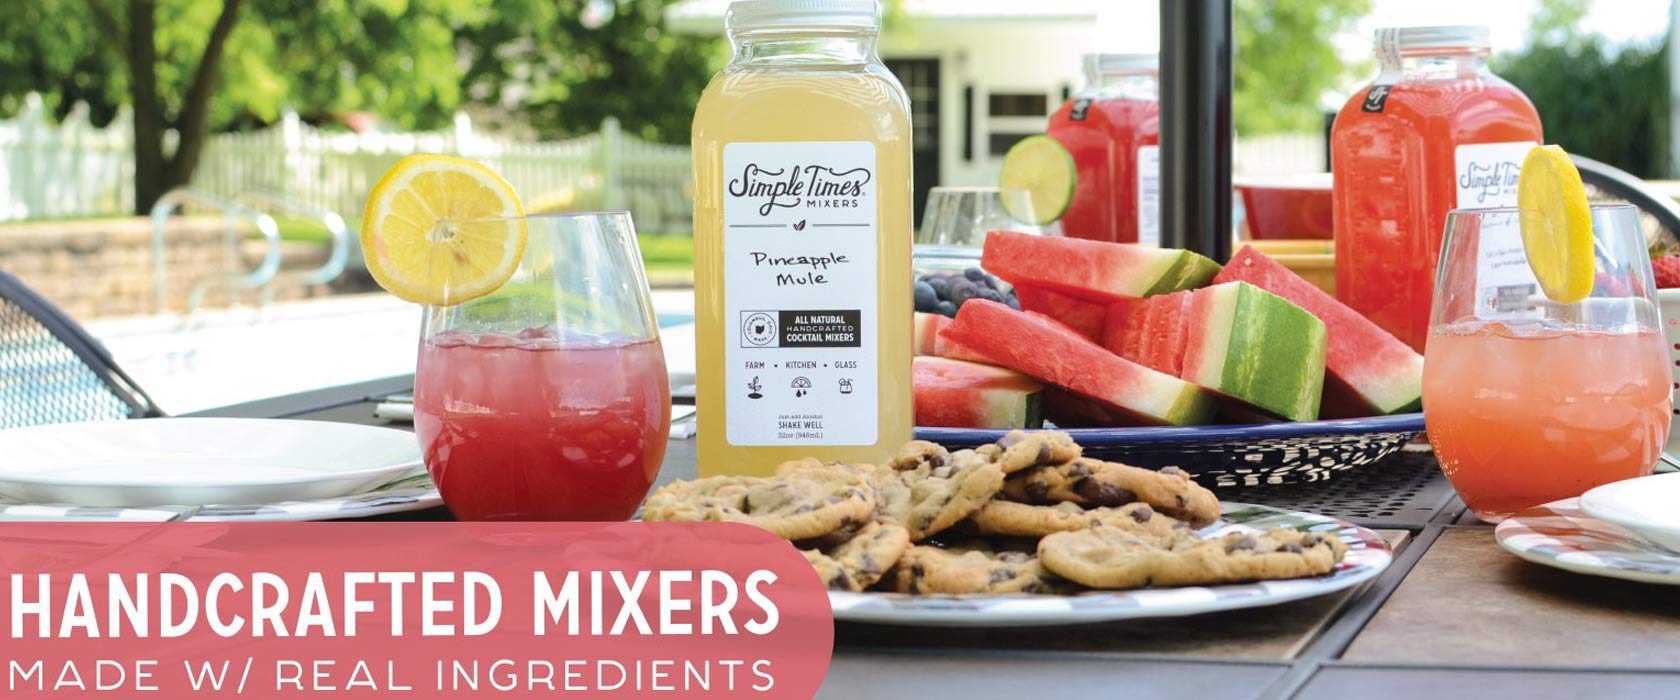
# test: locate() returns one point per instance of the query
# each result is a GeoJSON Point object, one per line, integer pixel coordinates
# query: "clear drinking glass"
{"type": "Point", "coordinates": [1531, 401]}
{"type": "Point", "coordinates": [548, 399]}
{"type": "Point", "coordinates": [959, 217]}
{"type": "Point", "coordinates": [956, 220]}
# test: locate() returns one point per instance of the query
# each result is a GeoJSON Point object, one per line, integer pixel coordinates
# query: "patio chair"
{"type": "Point", "coordinates": [52, 371]}
{"type": "Point", "coordinates": [1606, 184]}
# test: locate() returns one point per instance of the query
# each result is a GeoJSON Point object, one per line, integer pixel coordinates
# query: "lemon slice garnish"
{"type": "Point", "coordinates": [440, 230]}
{"type": "Point", "coordinates": [1556, 224]}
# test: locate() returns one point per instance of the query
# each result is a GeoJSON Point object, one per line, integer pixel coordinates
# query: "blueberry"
{"type": "Point", "coordinates": [940, 285]}
{"type": "Point", "coordinates": [926, 298]}
{"type": "Point", "coordinates": [990, 295]}
{"type": "Point", "coordinates": [1012, 302]}
{"type": "Point", "coordinates": [993, 282]}
{"type": "Point", "coordinates": [947, 308]}
{"type": "Point", "coordinates": [962, 290]}
{"type": "Point", "coordinates": [975, 274]}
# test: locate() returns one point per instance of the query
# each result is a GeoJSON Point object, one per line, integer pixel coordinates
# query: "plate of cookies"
{"type": "Point", "coordinates": [1028, 530]}
{"type": "Point", "coordinates": [1235, 454]}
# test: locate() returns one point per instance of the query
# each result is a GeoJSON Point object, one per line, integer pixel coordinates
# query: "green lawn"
{"type": "Point", "coordinates": [307, 230]}
{"type": "Point", "coordinates": [667, 252]}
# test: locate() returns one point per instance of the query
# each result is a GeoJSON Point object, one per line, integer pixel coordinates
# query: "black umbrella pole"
{"type": "Point", "coordinates": [1196, 126]}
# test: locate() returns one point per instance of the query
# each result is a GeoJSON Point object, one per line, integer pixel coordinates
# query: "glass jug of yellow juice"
{"type": "Point", "coordinates": [802, 230]}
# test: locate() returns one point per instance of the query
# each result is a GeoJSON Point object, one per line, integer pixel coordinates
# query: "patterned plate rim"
{"type": "Point", "coordinates": [412, 491]}
{"type": "Point", "coordinates": [1100, 437]}
{"type": "Point", "coordinates": [1528, 536]}
{"type": "Point", "coordinates": [1368, 555]}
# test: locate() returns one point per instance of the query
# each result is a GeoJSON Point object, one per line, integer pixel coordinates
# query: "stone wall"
{"type": "Point", "coordinates": [103, 267]}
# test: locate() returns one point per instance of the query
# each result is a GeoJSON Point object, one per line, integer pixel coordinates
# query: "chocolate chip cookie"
{"type": "Point", "coordinates": [892, 494]}
{"type": "Point", "coordinates": [958, 570]}
{"type": "Point", "coordinates": [917, 453]}
{"type": "Point", "coordinates": [858, 562]}
{"type": "Point", "coordinates": [1093, 482]}
{"type": "Point", "coordinates": [943, 494]}
{"type": "Point", "coordinates": [1112, 558]}
{"type": "Point", "coordinates": [1025, 449]}
{"type": "Point", "coordinates": [1022, 520]}
{"type": "Point", "coordinates": [799, 505]}
{"type": "Point", "coordinates": [925, 488]}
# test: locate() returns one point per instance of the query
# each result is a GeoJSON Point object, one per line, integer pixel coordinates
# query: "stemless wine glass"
{"type": "Point", "coordinates": [1529, 400]}
{"type": "Point", "coordinates": [959, 217]}
{"type": "Point", "coordinates": [548, 399]}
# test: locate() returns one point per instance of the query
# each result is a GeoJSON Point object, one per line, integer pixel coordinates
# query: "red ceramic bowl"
{"type": "Point", "coordinates": [1295, 207]}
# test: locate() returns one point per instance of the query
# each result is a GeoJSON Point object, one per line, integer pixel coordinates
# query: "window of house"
{"type": "Point", "coordinates": [998, 144]}
{"type": "Point", "coordinates": [1012, 115]}
{"type": "Point", "coordinates": [1018, 104]}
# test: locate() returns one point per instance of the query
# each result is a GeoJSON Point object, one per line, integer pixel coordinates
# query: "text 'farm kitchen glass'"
{"type": "Point", "coordinates": [548, 399]}
{"type": "Point", "coordinates": [1530, 400]}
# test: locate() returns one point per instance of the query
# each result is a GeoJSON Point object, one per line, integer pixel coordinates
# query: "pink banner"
{"type": "Point", "coordinates": [418, 610]}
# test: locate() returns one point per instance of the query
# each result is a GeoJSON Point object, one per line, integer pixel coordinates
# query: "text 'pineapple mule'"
{"type": "Point", "coordinates": [802, 242]}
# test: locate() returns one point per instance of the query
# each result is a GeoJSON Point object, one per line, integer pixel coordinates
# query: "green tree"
{"type": "Point", "coordinates": [1285, 62]}
{"type": "Point", "coordinates": [566, 65]}
{"type": "Point", "coordinates": [1606, 103]}
{"type": "Point", "coordinates": [190, 67]}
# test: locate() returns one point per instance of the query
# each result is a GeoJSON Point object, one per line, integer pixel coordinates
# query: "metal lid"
{"type": "Point", "coordinates": [766, 14]}
{"type": "Point", "coordinates": [1468, 36]}
{"type": "Point", "coordinates": [1109, 63]}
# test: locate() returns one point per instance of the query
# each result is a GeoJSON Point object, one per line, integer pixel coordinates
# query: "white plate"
{"type": "Point", "coordinates": [199, 461]}
{"type": "Point", "coordinates": [1368, 554]}
{"type": "Point", "coordinates": [1647, 505]}
{"type": "Point", "coordinates": [1560, 534]}
{"type": "Point", "coordinates": [413, 491]}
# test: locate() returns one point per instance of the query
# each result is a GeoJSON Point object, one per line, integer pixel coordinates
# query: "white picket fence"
{"type": "Point", "coordinates": [72, 168]}
{"type": "Point", "coordinates": [75, 169]}
{"type": "Point", "coordinates": [1279, 154]}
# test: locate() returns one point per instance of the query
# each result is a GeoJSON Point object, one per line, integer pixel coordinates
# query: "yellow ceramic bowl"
{"type": "Point", "coordinates": [1313, 260]}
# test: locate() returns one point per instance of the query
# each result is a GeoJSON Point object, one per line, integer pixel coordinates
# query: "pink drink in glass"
{"type": "Point", "coordinates": [1523, 417]}
{"type": "Point", "coordinates": [539, 427]}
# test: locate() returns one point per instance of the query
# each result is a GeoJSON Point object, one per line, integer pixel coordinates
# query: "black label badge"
{"type": "Point", "coordinates": [821, 329]}
{"type": "Point", "coordinates": [1376, 98]}
{"type": "Point", "coordinates": [1080, 107]}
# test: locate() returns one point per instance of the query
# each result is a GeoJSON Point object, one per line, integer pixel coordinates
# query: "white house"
{"type": "Point", "coordinates": [982, 74]}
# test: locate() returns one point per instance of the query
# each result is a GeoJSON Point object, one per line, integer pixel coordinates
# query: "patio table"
{"type": "Point", "coordinates": [1454, 616]}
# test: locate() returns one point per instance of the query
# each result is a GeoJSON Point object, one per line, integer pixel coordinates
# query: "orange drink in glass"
{"type": "Point", "coordinates": [1529, 400]}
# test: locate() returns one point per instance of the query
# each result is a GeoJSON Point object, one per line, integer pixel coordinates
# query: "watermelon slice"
{"type": "Point", "coordinates": [1255, 347]}
{"type": "Point", "coordinates": [1149, 331]}
{"type": "Point", "coordinates": [1084, 316]}
{"type": "Point", "coordinates": [1368, 371]}
{"type": "Point", "coordinates": [1069, 410]}
{"type": "Point", "coordinates": [944, 347]}
{"type": "Point", "coordinates": [1054, 353]}
{"type": "Point", "coordinates": [958, 394]}
{"type": "Point", "coordinates": [1252, 347]}
{"type": "Point", "coordinates": [1092, 270]}
{"type": "Point", "coordinates": [928, 327]}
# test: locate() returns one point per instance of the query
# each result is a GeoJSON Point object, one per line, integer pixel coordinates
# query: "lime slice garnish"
{"type": "Point", "coordinates": [1556, 224]}
{"type": "Point", "coordinates": [1042, 168]}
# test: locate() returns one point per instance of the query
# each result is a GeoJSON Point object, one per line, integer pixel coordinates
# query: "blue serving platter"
{"type": "Point", "coordinates": [1233, 455]}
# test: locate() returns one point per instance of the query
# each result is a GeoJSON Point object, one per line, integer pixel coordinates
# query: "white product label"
{"type": "Point", "coordinates": [1486, 178]}
{"type": "Point", "coordinates": [1505, 285]}
{"type": "Point", "coordinates": [1149, 195]}
{"type": "Point", "coordinates": [1487, 173]}
{"type": "Point", "coordinates": [799, 293]}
